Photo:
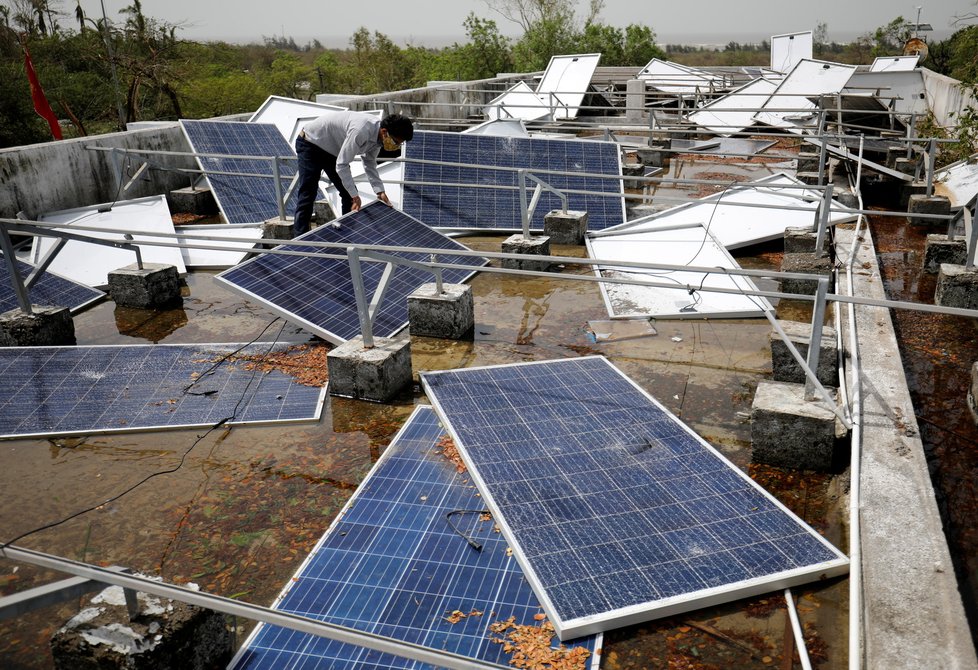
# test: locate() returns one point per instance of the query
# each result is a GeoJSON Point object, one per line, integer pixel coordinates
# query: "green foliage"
{"type": "Point", "coordinates": [485, 54]}
{"type": "Point", "coordinates": [888, 40]}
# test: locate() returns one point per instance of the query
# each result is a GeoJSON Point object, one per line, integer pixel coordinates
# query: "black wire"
{"type": "Point", "coordinates": [448, 517]}
{"type": "Point", "coordinates": [183, 457]}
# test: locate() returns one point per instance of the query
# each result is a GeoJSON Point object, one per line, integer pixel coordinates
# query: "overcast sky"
{"type": "Point", "coordinates": [332, 22]}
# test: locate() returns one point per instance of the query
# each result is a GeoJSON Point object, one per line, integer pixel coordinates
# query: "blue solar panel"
{"type": "Point", "coordinates": [49, 290]}
{"type": "Point", "coordinates": [617, 511]}
{"type": "Point", "coordinates": [499, 209]}
{"type": "Point", "coordinates": [390, 564]}
{"type": "Point", "coordinates": [50, 391]}
{"type": "Point", "coordinates": [318, 292]}
{"type": "Point", "coordinates": [243, 199]}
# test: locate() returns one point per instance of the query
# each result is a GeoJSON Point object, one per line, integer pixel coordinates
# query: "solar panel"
{"type": "Point", "coordinates": [790, 105]}
{"type": "Point", "coordinates": [50, 289]}
{"type": "Point", "coordinates": [243, 199]}
{"type": "Point", "coordinates": [391, 564]}
{"type": "Point", "coordinates": [286, 113]}
{"type": "Point", "coordinates": [617, 512]}
{"type": "Point", "coordinates": [318, 292]}
{"type": "Point", "coordinates": [50, 391]}
{"type": "Point", "coordinates": [440, 205]}
{"type": "Point", "coordinates": [565, 82]}
{"type": "Point", "coordinates": [790, 49]}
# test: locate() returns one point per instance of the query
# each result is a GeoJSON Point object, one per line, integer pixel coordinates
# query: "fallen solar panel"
{"type": "Point", "coordinates": [486, 196]}
{"type": "Point", "coordinates": [248, 195]}
{"type": "Point", "coordinates": [617, 512]}
{"type": "Point", "coordinates": [318, 292]}
{"type": "Point", "coordinates": [52, 391]}
{"type": "Point", "coordinates": [49, 290]}
{"type": "Point", "coordinates": [392, 564]}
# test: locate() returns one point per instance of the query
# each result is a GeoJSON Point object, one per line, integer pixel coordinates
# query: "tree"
{"type": "Point", "coordinates": [820, 38]}
{"type": "Point", "coordinates": [888, 40]}
{"type": "Point", "coordinates": [287, 76]}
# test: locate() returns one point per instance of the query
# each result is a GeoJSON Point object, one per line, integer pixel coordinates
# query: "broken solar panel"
{"type": "Point", "coordinates": [685, 294]}
{"type": "Point", "coordinates": [52, 391]}
{"type": "Point", "coordinates": [248, 196]}
{"type": "Point", "coordinates": [49, 289]}
{"type": "Point", "coordinates": [734, 111]}
{"type": "Point", "coordinates": [486, 196]}
{"type": "Point", "coordinates": [958, 182]}
{"type": "Point", "coordinates": [317, 292]}
{"type": "Point", "coordinates": [617, 512]}
{"type": "Point", "coordinates": [790, 105]}
{"type": "Point", "coordinates": [391, 564]}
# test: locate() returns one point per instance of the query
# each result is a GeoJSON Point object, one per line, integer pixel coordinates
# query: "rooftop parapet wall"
{"type": "Point", "coordinates": [52, 176]}
{"type": "Point", "coordinates": [946, 97]}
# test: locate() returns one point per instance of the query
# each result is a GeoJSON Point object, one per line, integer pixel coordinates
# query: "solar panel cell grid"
{"type": "Point", "coordinates": [50, 290]}
{"type": "Point", "coordinates": [617, 512]}
{"type": "Point", "coordinates": [391, 565]}
{"type": "Point", "coordinates": [473, 207]}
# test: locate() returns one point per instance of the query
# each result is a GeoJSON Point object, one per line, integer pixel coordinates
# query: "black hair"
{"type": "Point", "coordinates": [399, 126]}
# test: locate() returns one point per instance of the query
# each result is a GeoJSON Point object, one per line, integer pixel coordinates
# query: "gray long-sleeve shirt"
{"type": "Point", "coordinates": [347, 135]}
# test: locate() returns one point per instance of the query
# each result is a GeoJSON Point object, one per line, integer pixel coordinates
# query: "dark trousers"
{"type": "Point", "coordinates": [312, 162]}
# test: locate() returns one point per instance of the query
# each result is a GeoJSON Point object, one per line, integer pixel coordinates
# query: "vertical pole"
{"type": "Point", "coordinates": [7, 246]}
{"type": "Point", "coordinates": [277, 178]}
{"type": "Point", "coordinates": [815, 343]}
{"type": "Point", "coordinates": [524, 213]}
{"type": "Point", "coordinates": [439, 288]}
{"type": "Point", "coordinates": [913, 122]}
{"type": "Point", "coordinates": [360, 293]}
{"type": "Point", "coordinates": [971, 231]}
{"type": "Point", "coordinates": [824, 209]}
{"type": "Point", "coordinates": [931, 163]}
{"type": "Point", "coordinates": [822, 144]}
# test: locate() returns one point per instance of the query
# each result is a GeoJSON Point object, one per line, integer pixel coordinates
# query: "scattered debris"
{"type": "Point", "coordinates": [457, 615]}
{"type": "Point", "coordinates": [531, 648]}
{"type": "Point", "coordinates": [446, 447]}
{"type": "Point", "coordinates": [304, 363]}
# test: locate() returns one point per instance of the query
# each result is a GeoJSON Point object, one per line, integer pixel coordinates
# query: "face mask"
{"type": "Point", "coordinates": [390, 144]}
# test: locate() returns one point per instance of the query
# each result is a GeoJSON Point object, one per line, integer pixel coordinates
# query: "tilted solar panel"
{"type": "Point", "coordinates": [429, 197]}
{"type": "Point", "coordinates": [392, 564]}
{"type": "Point", "coordinates": [243, 199]}
{"type": "Point", "coordinates": [318, 292]}
{"type": "Point", "coordinates": [617, 512]}
{"type": "Point", "coordinates": [50, 290]}
{"type": "Point", "coordinates": [50, 391]}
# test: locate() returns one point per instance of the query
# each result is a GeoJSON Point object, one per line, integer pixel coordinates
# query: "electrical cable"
{"type": "Point", "coordinates": [448, 518]}
{"type": "Point", "coordinates": [183, 457]}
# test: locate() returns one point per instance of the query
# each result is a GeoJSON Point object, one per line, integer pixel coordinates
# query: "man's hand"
{"type": "Point", "coordinates": [356, 204]}
{"type": "Point", "coordinates": [382, 196]}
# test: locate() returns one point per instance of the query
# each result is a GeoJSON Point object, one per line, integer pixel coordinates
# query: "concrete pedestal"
{"type": "Point", "coordinates": [800, 240]}
{"type": "Point", "coordinates": [277, 229]}
{"type": "Point", "coordinates": [957, 286]}
{"type": "Point", "coordinates": [165, 634]}
{"type": "Point", "coordinates": [654, 156]}
{"type": "Point", "coordinates": [910, 189]}
{"type": "Point", "coordinates": [806, 264]}
{"type": "Point", "coordinates": [155, 285]}
{"type": "Point", "coordinates": [785, 367]}
{"type": "Point", "coordinates": [928, 204]}
{"type": "Point", "coordinates": [788, 431]}
{"type": "Point", "coordinates": [939, 249]}
{"type": "Point", "coordinates": [376, 374]}
{"type": "Point", "coordinates": [905, 165]}
{"type": "Point", "coordinates": [45, 326]}
{"type": "Point", "coordinates": [565, 227]}
{"type": "Point", "coordinates": [635, 100]}
{"type": "Point", "coordinates": [322, 212]}
{"type": "Point", "coordinates": [807, 161]}
{"type": "Point", "coordinates": [192, 200]}
{"type": "Point", "coordinates": [530, 247]}
{"type": "Point", "coordinates": [449, 314]}
{"type": "Point", "coordinates": [809, 177]}
{"type": "Point", "coordinates": [633, 170]}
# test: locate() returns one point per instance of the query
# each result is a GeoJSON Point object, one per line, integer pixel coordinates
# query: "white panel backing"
{"type": "Point", "coordinates": [518, 102]}
{"type": "Point", "coordinates": [203, 254]}
{"type": "Point", "coordinates": [809, 79]}
{"type": "Point", "coordinates": [285, 113]}
{"type": "Point", "coordinates": [958, 181]}
{"type": "Point", "coordinates": [499, 128]}
{"type": "Point", "coordinates": [90, 264]}
{"type": "Point", "coordinates": [565, 82]}
{"type": "Point", "coordinates": [894, 64]}
{"type": "Point", "coordinates": [734, 111]}
{"type": "Point", "coordinates": [691, 244]}
{"type": "Point", "coordinates": [743, 215]}
{"type": "Point", "coordinates": [903, 92]}
{"type": "Point", "coordinates": [390, 173]}
{"type": "Point", "coordinates": [790, 49]}
{"type": "Point", "coordinates": [670, 77]}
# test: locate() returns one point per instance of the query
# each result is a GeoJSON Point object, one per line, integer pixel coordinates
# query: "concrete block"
{"type": "Point", "coordinates": [810, 177]}
{"type": "Point", "coordinates": [807, 161]}
{"type": "Point", "coordinates": [920, 203]}
{"type": "Point", "coordinates": [784, 365]}
{"type": "Point", "coordinates": [192, 200]}
{"type": "Point", "coordinates": [805, 264]}
{"type": "Point", "coordinates": [908, 189]}
{"type": "Point", "coordinates": [565, 227]}
{"type": "Point", "coordinates": [530, 247]}
{"type": "Point", "coordinates": [845, 197]}
{"type": "Point", "coordinates": [376, 374]}
{"type": "Point", "coordinates": [905, 165]}
{"type": "Point", "coordinates": [633, 170]}
{"type": "Point", "coordinates": [788, 431]}
{"type": "Point", "coordinates": [45, 326]}
{"type": "Point", "coordinates": [957, 286]}
{"type": "Point", "coordinates": [155, 285]}
{"type": "Point", "coordinates": [655, 156]}
{"type": "Point", "coordinates": [939, 249]}
{"type": "Point", "coordinates": [165, 634]}
{"type": "Point", "coordinates": [322, 212]}
{"type": "Point", "coordinates": [635, 100]}
{"type": "Point", "coordinates": [449, 314]}
{"type": "Point", "coordinates": [973, 392]}
{"type": "Point", "coordinates": [800, 240]}
{"type": "Point", "coordinates": [892, 154]}
{"type": "Point", "coordinates": [277, 229]}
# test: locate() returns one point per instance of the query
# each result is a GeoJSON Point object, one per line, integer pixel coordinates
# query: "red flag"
{"type": "Point", "coordinates": [41, 105]}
